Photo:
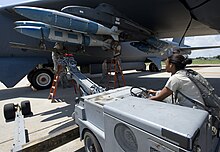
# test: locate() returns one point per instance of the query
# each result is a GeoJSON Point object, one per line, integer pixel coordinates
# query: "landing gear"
{"type": "Point", "coordinates": [153, 68]}
{"type": "Point", "coordinates": [41, 78]}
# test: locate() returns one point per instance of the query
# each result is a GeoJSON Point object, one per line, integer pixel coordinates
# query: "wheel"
{"type": "Point", "coordinates": [9, 111]}
{"type": "Point", "coordinates": [42, 79]}
{"type": "Point", "coordinates": [30, 75]}
{"type": "Point", "coordinates": [91, 143]}
{"type": "Point", "coordinates": [153, 68]}
{"type": "Point", "coordinates": [25, 108]}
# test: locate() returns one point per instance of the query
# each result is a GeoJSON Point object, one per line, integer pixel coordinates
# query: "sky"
{"type": "Point", "coordinates": [200, 41]}
{"type": "Point", "coordinates": [191, 41]}
{"type": "Point", "coordinates": [213, 40]}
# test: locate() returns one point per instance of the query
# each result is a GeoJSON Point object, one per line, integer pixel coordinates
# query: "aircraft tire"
{"type": "Point", "coordinates": [25, 108]}
{"type": "Point", "coordinates": [30, 75]}
{"type": "Point", "coordinates": [9, 111]}
{"type": "Point", "coordinates": [42, 79]}
{"type": "Point", "coordinates": [91, 143]}
{"type": "Point", "coordinates": [153, 68]}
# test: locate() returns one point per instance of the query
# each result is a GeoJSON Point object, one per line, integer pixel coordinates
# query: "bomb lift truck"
{"type": "Point", "coordinates": [117, 121]}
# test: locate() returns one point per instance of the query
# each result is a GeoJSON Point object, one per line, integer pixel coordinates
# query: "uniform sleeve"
{"type": "Point", "coordinates": [172, 83]}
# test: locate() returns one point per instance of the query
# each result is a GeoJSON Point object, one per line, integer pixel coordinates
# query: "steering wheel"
{"type": "Point", "coordinates": [142, 93]}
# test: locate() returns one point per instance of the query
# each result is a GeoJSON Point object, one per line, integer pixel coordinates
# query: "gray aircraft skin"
{"type": "Point", "coordinates": [145, 21]}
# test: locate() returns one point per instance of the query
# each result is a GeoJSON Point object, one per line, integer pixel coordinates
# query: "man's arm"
{"type": "Point", "coordinates": [165, 92]}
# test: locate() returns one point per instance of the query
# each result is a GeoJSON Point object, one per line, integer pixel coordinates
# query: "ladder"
{"type": "Point", "coordinates": [114, 65]}
{"type": "Point", "coordinates": [53, 89]}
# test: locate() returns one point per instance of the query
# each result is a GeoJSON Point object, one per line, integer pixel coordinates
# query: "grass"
{"type": "Point", "coordinates": [202, 61]}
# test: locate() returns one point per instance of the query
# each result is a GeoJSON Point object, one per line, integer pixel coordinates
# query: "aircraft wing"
{"type": "Point", "coordinates": [198, 48]}
{"type": "Point", "coordinates": [165, 18]}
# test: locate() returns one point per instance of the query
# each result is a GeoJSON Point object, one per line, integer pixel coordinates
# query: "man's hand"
{"type": "Point", "coordinates": [150, 91]}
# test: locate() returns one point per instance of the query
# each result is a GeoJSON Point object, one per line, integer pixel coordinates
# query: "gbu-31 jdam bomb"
{"type": "Point", "coordinates": [30, 23]}
{"type": "Point", "coordinates": [43, 31]}
{"type": "Point", "coordinates": [108, 16]}
{"type": "Point", "coordinates": [66, 21]}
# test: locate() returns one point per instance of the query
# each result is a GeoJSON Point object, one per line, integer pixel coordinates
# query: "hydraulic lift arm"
{"type": "Point", "coordinates": [86, 85]}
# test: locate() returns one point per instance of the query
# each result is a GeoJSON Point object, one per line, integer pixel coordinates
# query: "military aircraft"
{"type": "Point", "coordinates": [100, 30]}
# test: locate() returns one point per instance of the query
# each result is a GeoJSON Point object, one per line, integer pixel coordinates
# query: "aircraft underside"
{"type": "Point", "coordinates": [94, 31]}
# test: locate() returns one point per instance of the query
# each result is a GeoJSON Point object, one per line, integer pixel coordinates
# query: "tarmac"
{"type": "Point", "coordinates": [49, 118]}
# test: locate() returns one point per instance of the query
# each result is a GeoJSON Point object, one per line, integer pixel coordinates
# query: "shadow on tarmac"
{"type": "Point", "coordinates": [27, 92]}
{"type": "Point", "coordinates": [81, 150]}
{"type": "Point", "coordinates": [65, 111]}
{"type": "Point", "coordinates": [132, 79]}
